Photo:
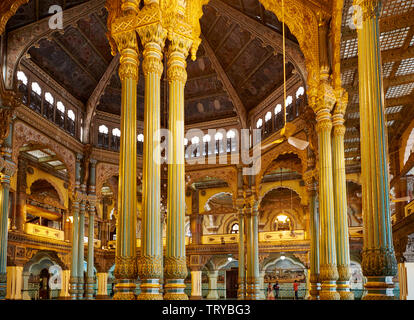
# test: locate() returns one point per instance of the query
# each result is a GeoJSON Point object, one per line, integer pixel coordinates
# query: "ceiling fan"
{"type": "Point", "coordinates": [289, 128]}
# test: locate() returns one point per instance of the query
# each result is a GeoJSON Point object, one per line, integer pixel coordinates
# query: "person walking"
{"type": "Point", "coordinates": [276, 289]}
{"type": "Point", "coordinates": [295, 288]}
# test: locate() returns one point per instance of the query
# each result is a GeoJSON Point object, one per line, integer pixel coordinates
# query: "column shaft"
{"type": "Point", "coordinates": [378, 258]}
{"type": "Point", "coordinates": [241, 290]}
{"type": "Point", "coordinates": [150, 261]}
{"type": "Point", "coordinates": [314, 250]}
{"type": "Point", "coordinates": [328, 269]}
{"type": "Point", "coordinates": [74, 279]}
{"type": "Point", "coordinates": [90, 280]}
{"type": "Point", "coordinates": [196, 285]}
{"type": "Point", "coordinates": [252, 272]}
{"type": "Point", "coordinates": [125, 257]}
{"type": "Point", "coordinates": [81, 250]}
{"type": "Point", "coordinates": [341, 209]}
{"type": "Point", "coordinates": [175, 268]}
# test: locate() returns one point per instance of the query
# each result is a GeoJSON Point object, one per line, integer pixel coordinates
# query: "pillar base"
{"type": "Point", "coordinates": [253, 291]}
{"type": "Point", "coordinates": [103, 297]}
{"type": "Point", "coordinates": [150, 290]}
{"type": "Point", "coordinates": [73, 288]}
{"type": "Point", "coordinates": [342, 287]}
{"type": "Point", "coordinates": [379, 288]}
{"type": "Point", "coordinates": [328, 291]}
{"type": "Point", "coordinates": [314, 292]}
{"type": "Point", "coordinates": [125, 290]}
{"type": "Point", "coordinates": [196, 298]}
{"type": "Point", "coordinates": [240, 291]}
{"type": "Point", "coordinates": [90, 282]}
{"type": "Point", "coordinates": [174, 290]}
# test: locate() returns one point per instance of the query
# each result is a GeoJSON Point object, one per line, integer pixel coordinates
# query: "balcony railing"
{"type": "Point", "coordinates": [42, 231]}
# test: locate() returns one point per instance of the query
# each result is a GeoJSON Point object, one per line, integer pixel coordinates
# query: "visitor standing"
{"type": "Point", "coordinates": [270, 295]}
{"type": "Point", "coordinates": [295, 288]}
{"type": "Point", "coordinates": [276, 289]}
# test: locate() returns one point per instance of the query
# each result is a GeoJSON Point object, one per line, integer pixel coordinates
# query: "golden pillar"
{"type": "Point", "coordinates": [125, 256]}
{"type": "Point", "coordinates": [150, 262]}
{"type": "Point", "coordinates": [378, 258]}
{"type": "Point", "coordinates": [175, 269]}
{"type": "Point", "coordinates": [341, 214]}
{"type": "Point", "coordinates": [328, 269]}
{"type": "Point", "coordinates": [252, 250]}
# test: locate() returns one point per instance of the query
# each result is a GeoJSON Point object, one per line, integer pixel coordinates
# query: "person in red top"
{"type": "Point", "coordinates": [295, 288]}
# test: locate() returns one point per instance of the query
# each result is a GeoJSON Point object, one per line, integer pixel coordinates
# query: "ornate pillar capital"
{"type": "Point", "coordinates": [369, 8]}
{"type": "Point", "coordinates": [127, 44]}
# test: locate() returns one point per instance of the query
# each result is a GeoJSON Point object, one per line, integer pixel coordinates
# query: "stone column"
{"type": "Point", "coordinates": [90, 280]}
{"type": "Point", "coordinates": [175, 268]}
{"type": "Point", "coordinates": [378, 258]}
{"type": "Point", "coordinates": [311, 187]}
{"type": "Point", "coordinates": [196, 284]}
{"type": "Point", "coordinates": [81, 249]}
{"type": "Point", "coordinates": [252, 258]}
{"type": "Point", "coordinates": [7, 169]}
{"type": "Point", "coordinates": [125, 256]}
{"type": "Point", "coordinates": [340, 198]}
{"type": "Point", "coordinates": [150, 262]}
{"type": "Point", "coordinates": [241, 290]}
{"type": "Point", "coordinates": [102, 293]}
{"type": "Point", "coordinates": [74, 278]}
{"type": "Point", "coordinates": [212, 285]}
{"type": "Point", "coordinates": [21, 194]}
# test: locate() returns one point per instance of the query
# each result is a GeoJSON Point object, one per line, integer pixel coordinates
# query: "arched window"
{"type": "Point", "coordinates": [268, 116]}
{"type": "Point", "coordinates": [140, 137]}
{"type": "Point", "coordinates": [185, 141]}
{"type": "Point", "coordinates": [36, 98]}
{"type": "Point", "coordinates": [278, 109]}
{"type": "Point", "coordinates": [103, 136]}
{"type": "Point", "coordinates": [196, 140]}
{"type": "Point", "coordinates": [71, 115]}
{"type": "Point", "coordinates": [300, 92]}
{"type": "Point", "coordinates": [234, 228]}
{"type": "Point", "coordinates": [49, 98]}
{"type": "Point", "coordinates": [60, 114]}
{"type": "Point", "coordinates": [115, 139]}
{"type": "Point", "coordinates": [21, 76]}
{"type": "Point", "coordinates": [70, 123]}
{"type": "Point", "coordinates": [231, 140]}
{"type": "Point", "coordinates": [218, 137]}
{"type": "Point", "coordinates": [36, 88]}
{"type": "Point", "coordinates": [206, 140]}
{"type": "Point", "coordinates": [289, 101]}
{"type": "Point", "coordinates": [48, 106]}
{"type": "Point", "coordinates": [259, 123]}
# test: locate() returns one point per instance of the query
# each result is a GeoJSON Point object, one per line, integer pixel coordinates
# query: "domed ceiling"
{"type": "Point", "coordinates": [235, 69]}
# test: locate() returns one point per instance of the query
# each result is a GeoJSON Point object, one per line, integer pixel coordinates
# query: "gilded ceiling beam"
{"type": "Point", "coordinates": [97, 94]}
{"type": "Point", "coordinates": [238, 104]}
